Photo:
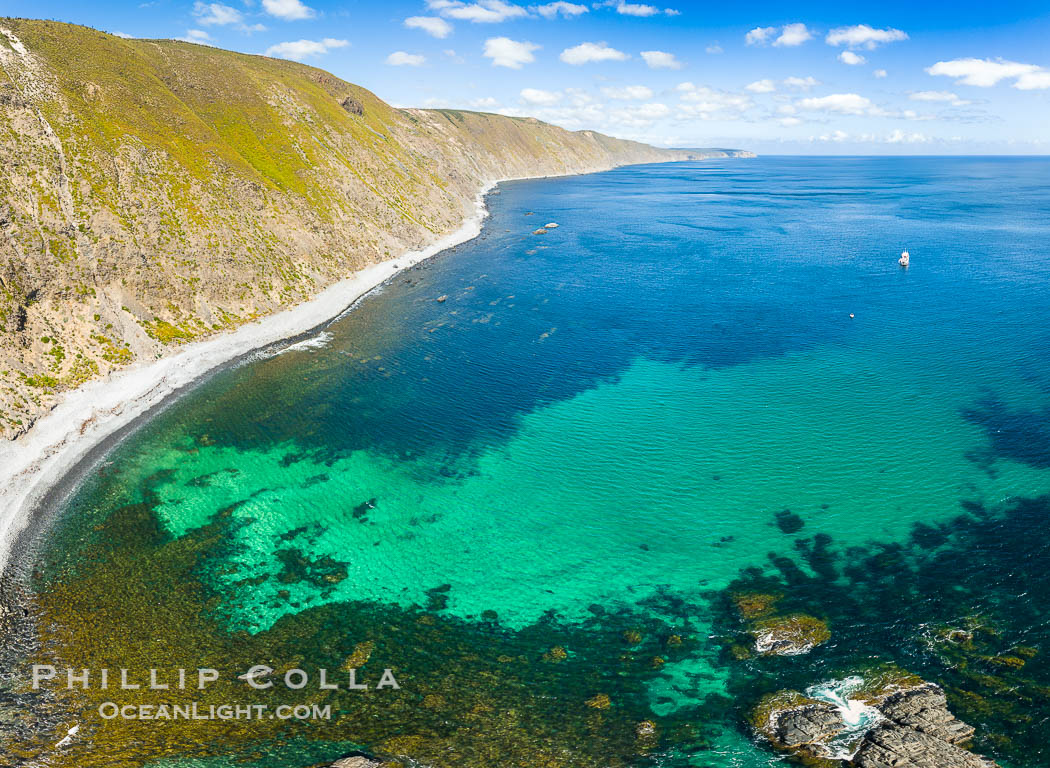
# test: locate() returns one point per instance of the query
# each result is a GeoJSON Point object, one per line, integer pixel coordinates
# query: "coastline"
{"type": "Point", "coordinates": [32, 465]}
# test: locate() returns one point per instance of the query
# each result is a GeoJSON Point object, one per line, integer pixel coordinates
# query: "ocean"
{"type": "Point", "coordinates": [535, 475]}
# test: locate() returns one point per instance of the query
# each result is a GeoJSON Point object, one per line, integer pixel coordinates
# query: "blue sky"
{"type": "Point", "coordinates": [812, 78]}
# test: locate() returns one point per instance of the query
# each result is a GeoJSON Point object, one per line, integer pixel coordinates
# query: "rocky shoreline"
{"type": "Point", "coordinates": [914, 729]}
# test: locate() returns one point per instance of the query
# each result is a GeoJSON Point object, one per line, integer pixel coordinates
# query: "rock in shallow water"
{"type": "Point", "coordinates": [916, 730]}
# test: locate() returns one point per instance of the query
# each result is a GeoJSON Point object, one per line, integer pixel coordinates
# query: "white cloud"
{"type": "Point", "coordinates": [900, 137]}
{"type": "Point", "coordinates": [505, 52]}
{"type": "Point", "coordinates": [125, 35]}
{"type": "Point", "coordinates": [484, 102]}
{"type": "Point", "coordinates": [289, 10]}
{"type": "Point", "coordinates": [216, 14]}
{"type": "Point", "coordinates": [432, 25]}
{"type": "Point", "coordinates": [636, 9]}
{"type": "Point", "coordinates": [759, 35]}
{"type": "Point", "coordinates": [843, 103]}
{"type": "Point", "coordinates": [714, 48]}
{"type": "Point", "coordinates": [880, 73]}
{"type": "Point", "coordinates": [837, 136]}
{"type": "Point", "coordinates": [640, 116]}
{"type": "Point", "coordinates": [941, 96]}
{"type": "Point", "coordinates": [863, 35]}
{"type": "Point", "coordinates": [482, 12]}
{"type": "Point", "coordinates": [538, 96]}
{"type": "Point", "coordinates": [661, 60]}
{"type": "Point", "coordinates": [851, 58]}
{"type": "Point", "coordinates": [195, 36]}
{"type": "Point", "coordinates": [403, 59]}
{"type": "Point", "coordinates": [787, 122]}
{"type": "Point", "coordinates": [792, 35]}
{"type": "Point", "coordinates": [585, 53]}
{"type": "Point", "coordinates": [708, 104]}
{"type": "Point", "coordinates": [629, 93]}
{"type": "Point", "coordinates": [801, 83]}
{"type": "Point", "coordinates": [983, 73]}
{"type": "Point", "coordinates": [761, 86]}
{"type": "Point", "coordinates": [550, 10]}
{"type": "Point", "coordinates": [298, 50]}
{"type": "Point", "coordinates": [1033, 81]}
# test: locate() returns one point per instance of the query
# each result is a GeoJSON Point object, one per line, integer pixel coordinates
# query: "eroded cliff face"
{"type": "Point", "coordinates": [157, 192]}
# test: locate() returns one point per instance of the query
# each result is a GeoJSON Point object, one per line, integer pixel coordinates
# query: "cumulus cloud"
{"type": "Point", "coordinates": [298, 50]}
{"type": "Point", "coordinates": [984, 73]}
{"type": "Point", "coordinates": [787, 122]}
{"type": "Point", "coordinates": [486, 102]}
{"type": "Point", "coordinates": [939, 96]}
{"type": "Point", "coordinates": [759, 35]}
{"type": "Point", "coordinates": [661, 60]}
{"type": "Point", "coordinates": [842, 103]}
{"type": "Point", "coordinates": [851, 58]}
{"type": "Point", "coordinates": [862, 35]}
{"type": "Point", "coordinates": [125, 35]}
{"type": "Point", "coordinates": [761, 86]}
{"type": "Point", "coordinates": [714, 48]}
{"type": "Point", "coordinates": [538, 96]}
{"type": "Point", "coordinates": [629, 93]}
{"type": "Point", "coordinates": [402, 59]}
{"type": "Point", "coordinates": [505, 52]}
{"type": "Point", "coordinates": [836, 136]}
{"type": "Point", "coordinates": [289, 10]}
{"type": "Point", "coordinates": [880, 73]}
{"type": "Point", "coordinates": [900, 137]}
{"type": "Point", "coordinates": [585, 53]}
{"type": "Point", "coordinates": [432, 25]}
{"type": "Point", "coordinates": [701, 102]}
{"type": "Point", "coordinates": [481, 12]}
{"type": "Point", "coordinates": [216, 14]}
{"type": "Point", "coordinates": [641, 116]}
{"type": "Point", "coordinates": [550, 10]}
{"type": "Point", "coordinates": [801, 83]}
{"type": "Point", "coordinates": [636, 9]}
{"type": "Point", "coordinates": [195, 36]}
{"type": "Point", "coordinates": [1033, 81]}
{"type": "Point", "coordinates": [792, 35]}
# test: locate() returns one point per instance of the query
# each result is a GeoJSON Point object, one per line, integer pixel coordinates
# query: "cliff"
{"type": "Point", "coordinates": [156, 192]}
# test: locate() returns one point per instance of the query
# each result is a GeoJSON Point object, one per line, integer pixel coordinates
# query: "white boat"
{"type": "Point", "coordinates": [903, 260]}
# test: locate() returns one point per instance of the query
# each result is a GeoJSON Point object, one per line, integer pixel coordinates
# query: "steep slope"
{"type": "Point", "coordinates": [156, 192]}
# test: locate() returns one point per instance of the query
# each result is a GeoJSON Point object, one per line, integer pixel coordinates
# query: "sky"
{"type": "Point", "coordinates": [810, 77]}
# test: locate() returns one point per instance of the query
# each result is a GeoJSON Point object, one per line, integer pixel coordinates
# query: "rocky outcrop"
{"type": "Point", "coordinates": [155, 192]}
{"type": "Point", "coordinates": [356, 761]}
{"type": "Point", "coordinates": [918, 731]}
{"type": "Point", "coordinates": [808, 724]}
{"type": "Point", "coordinates": [915, 729]}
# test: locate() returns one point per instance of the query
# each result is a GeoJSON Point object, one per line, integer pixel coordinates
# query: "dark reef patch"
{"type": "Point", "coordinates": [962, 604]}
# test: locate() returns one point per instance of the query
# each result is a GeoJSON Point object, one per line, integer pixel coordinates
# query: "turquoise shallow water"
{"type": "Point", "coordinates": [609, 417]}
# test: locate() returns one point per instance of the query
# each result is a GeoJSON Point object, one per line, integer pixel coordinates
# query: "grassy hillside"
{"type": "Point", "coordinates": [156, 192]}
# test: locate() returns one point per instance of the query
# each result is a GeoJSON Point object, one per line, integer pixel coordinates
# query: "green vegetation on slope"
{"type": "Point", "coordinates": [156, 192]}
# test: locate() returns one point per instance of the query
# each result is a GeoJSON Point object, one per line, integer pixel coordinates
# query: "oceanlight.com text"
{"type": "Point", "coordinates": [111, 711]}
